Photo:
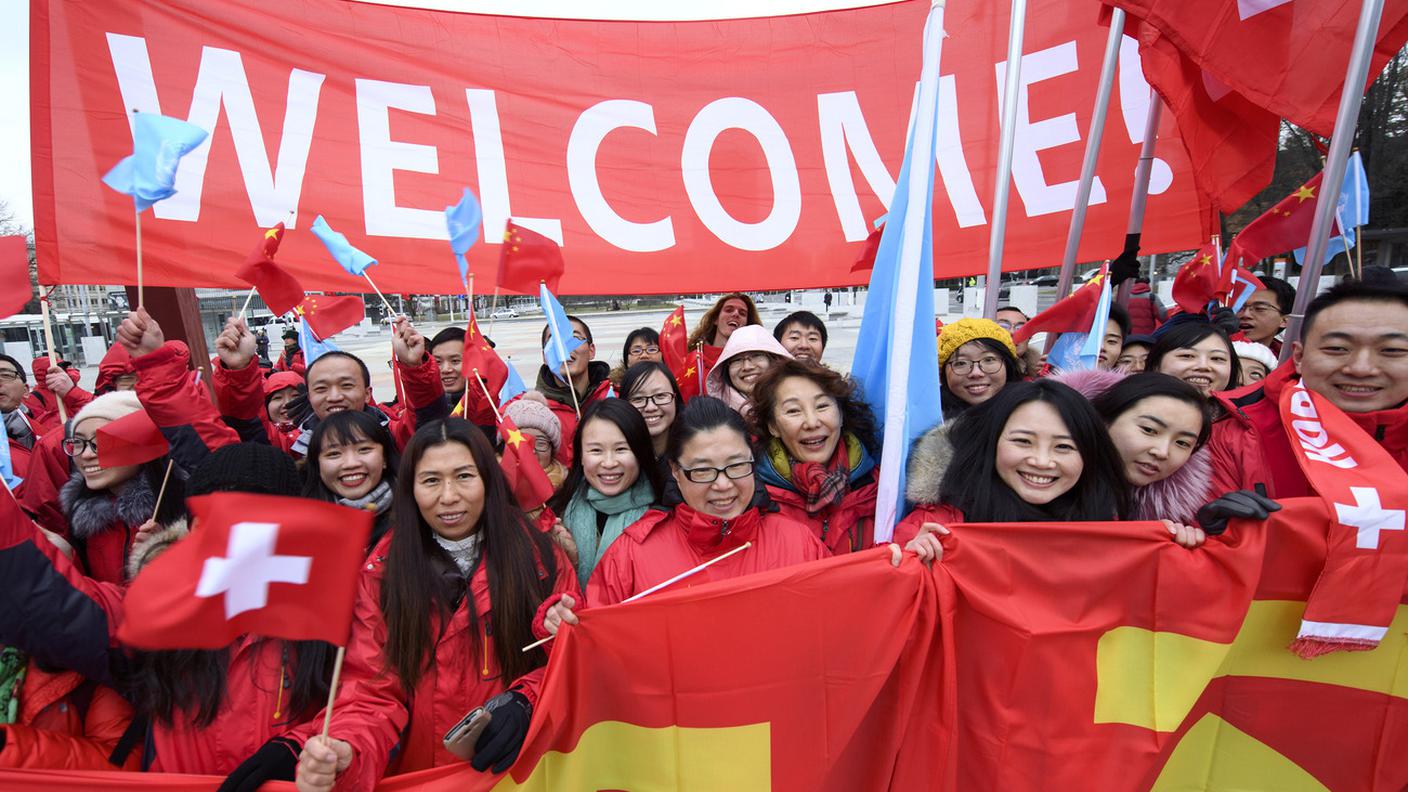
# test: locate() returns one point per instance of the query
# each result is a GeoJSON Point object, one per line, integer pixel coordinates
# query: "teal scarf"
{"type": "Point", "coordinates": [622, 510]}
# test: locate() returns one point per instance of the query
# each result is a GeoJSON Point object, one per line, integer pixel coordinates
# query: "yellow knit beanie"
{"type": "Point", "coordinates": [956, 334]}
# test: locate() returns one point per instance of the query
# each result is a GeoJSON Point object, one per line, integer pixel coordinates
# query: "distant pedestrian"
{"type": "Point", "coordinates": [826, 300]}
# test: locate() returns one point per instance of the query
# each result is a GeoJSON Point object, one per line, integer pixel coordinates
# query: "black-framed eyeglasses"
{"type": "Point", "coordinates": [1263, 308]}
{"type": "Point", "coordinates": [708, 475]}
{"type": "Point", "coordinates": [987, 365]}
{"type": "Point", "coordinates": [9, 376]}
{"type": "Point", "coordinates": [644, 350]}
{"type": "Point", "coordinates": [658, 399]}
{"type": "Point", "coordinates": [75, 446]}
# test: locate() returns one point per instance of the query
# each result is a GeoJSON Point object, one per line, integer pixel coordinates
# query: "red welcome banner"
{"type": "Point", "coordinates": [663, 156]}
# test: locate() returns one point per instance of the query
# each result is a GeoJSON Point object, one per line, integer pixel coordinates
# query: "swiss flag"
{"type": "Point", "coordinates": [527, 258]}
{"type": "Point", "coordinates": [1285, 56]}
{"type": "Point", "coordinates": [328, 315]}
{"type": "Point", "coordinates": [530, 485]}
{"type": "Point", "coordinates": [280, 290]}
{"type": "Point", "coordinates": [132, 439]}
{"type": "Point", "coordinates": [674, 341]}
{"type": "Point", "coordinates": [278, 567]}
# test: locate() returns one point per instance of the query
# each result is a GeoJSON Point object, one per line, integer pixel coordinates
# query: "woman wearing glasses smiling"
{"type": "Point", "coordinates": [976, 360]}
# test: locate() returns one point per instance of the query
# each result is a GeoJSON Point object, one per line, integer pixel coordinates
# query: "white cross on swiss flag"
{"type": "Point", "coordinates": [278, 567]}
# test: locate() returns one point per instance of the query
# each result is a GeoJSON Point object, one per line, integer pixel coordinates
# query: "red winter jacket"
{"type": "Point", "coordinates": [1145, 311]}
{"type": "Point", "coordinates": [20, 458]}
{"type": "Point", "coordinates": [560, 401]}
{"type": "Point", "coordinates": [1249, 446]}
{"type": "Point", "coordinates": [663, 544]}
{"type": "Point", "coordinates": [43, 403]}
{"type": "Point", "coordinates": [845, 527]}
{"type": "Point", "coordinates": [116, 363]}
{"type": "Point", "coordinates": [373, 712]}
{"type": "Point", "coordinates": [239, 395]}
{"type": "Point", "coordinates": [424, 395]}
{"type": "Point", "coordinates": [49, 469]}
{"type": "Point", "coordinates": [65, 723]}
{"type": "Point", "coordinates": [295, 365]}
{"type": "Point", "coordinates": [908, 528]}
{"type": "Point", "coordinates": [177, 403]}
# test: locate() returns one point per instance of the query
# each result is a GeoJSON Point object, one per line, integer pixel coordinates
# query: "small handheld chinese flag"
{"type": "Point", "coordinates": [530, 485]}
{"type": "Point", "coordinates": [479, 355]}
{"type": "Point", "coordinates": [273, 566]}
{"type": "Point", "coordinates": [130, 440]}
{"type": "Point", "coordinates": [280, 290]}
{"type": "Point", "coordinates": [528, 258]}
{"type": "Point", "coordinates": [329, 315]}
{"type": "Point", "coordinates": [674, 341]}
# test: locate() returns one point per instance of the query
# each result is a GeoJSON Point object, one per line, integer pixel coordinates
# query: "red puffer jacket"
{"type": "Point", "coordinates": [43, 404]}
{"type": "Point", "coordinates": [373, 712]}
{"type": "Point", "coordinates": [663, 544]}
{"type": "Point", "coordinates": [49, 469]}
{"type": "Point", "coordinates": [239, 395]}
{"type": "Point", "coordinates": [1250, 445]}
{"type": "Point", "coordinates": [65, 722]}
{"type": "Point", "coordinates": [845, 527]}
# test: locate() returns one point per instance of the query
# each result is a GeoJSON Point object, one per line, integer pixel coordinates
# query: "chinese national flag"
{"type": "Point", "coordinates": [526, 258]}
{"type": "Point", "coordinates": [1231, 142]}
{"type": "Point", "coordinates": [328, 315]}
{"type": "Point", "coordinates": [1198, 281]}
{"type": "Point", "coordinates": [479, 355]}
{"type": "Point", "coordinates": [530, 485]}
{"type": "Point", "coordinates": [280, 290]}
{"type": "Point", "coordinates": [674, 341]}
{"type": "Point", "coordinates": [1285, 56]}
{"type": "Point", "coordinates": [1283, 227]}
{"type": "Point", "coordinates": [690, 377]}
{"type": "Point", "coordinates": [277, 567]}
{"type": "Point", "coordinates": [130, 440]}
{"type": "Point", "coordinates": [1071, 315]}
{"type": "Point", "coordinates": [15, 289]}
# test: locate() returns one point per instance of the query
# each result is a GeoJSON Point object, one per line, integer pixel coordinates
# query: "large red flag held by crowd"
{"type": "Point", "coordinates": [1032, 657]}
{"type": "Point", "coordinates": [673, 156]}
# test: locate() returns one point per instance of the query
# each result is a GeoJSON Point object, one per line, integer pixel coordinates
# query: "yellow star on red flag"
{"type": "Point", "coordinates": [514, 438]}
{"type": "Point", "coordinates": [1305, 193]}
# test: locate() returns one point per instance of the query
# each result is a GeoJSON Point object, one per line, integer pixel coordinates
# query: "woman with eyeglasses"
{"type": "Point", "coordinates": [749, 353]}
{"type": "Point", "coordinates": [642, 345]}
{"type": "Point", "coordinates": [613, 480]}
{"type": "Point", "coordinates": [976, 361]}
{"type": "Point", "coordinates": [112, 510]}
{"type": "Point", "coordinates": [651, 389]}
{"type": "Point", "coordinates": [817, 451]}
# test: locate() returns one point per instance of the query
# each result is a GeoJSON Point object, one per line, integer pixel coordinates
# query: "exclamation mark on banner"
{"type": "Point", "coordinates": [1135, 96]}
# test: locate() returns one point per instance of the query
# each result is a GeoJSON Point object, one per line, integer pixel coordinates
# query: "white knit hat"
{"type": "Point", "coordinates": [111, 406]}
{"type": "Point", "coordinates": [1254, 351]}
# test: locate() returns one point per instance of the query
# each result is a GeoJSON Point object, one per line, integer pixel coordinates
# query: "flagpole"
{"type": "Point", "coordinates": [1140, 199]}
{"type": "Point", "coordinates": [53, 353]}
{"type": "Point", "coordinates": [1092, 155]}
{"type": "Point", "coordinates": [332, 689]}
{"type": "Point", "coordinates": [1359, 248]}
{"type": "Point", "coordinates": [140, 301]}
{"type": "Point", "coordinates": [562, 353]}
{"type": "Point", "coordinates": [498, 416]}
{"type": "Point", "coordinates": [247, 300]}
{"type": "Point", "coordinates": [161, 493]}
{"type": "Point", "coordinates": [1351, 95]}
{"type": "Point", "coordinates": [1008, 121]}
{"type": "Point", "coordinates": [677, 578]}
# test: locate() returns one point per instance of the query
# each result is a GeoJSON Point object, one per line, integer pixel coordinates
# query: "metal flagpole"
{"type": "Point", "coordinates": [1092, 154]}
{"type": "Point", "coordinates": [1351, 95]}
{"type": "Point", "coordinates": [1140, 198]}
{"type": "Point", "coordinates": [1008, 123]}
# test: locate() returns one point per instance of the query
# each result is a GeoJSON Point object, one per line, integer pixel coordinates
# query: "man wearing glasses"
{"type": "Point", "coordinates": [1264, 315]}
{"type": "Point", "coordinates": [1012, 319]}
{"type": "Point", "coordinates": [18, 431]}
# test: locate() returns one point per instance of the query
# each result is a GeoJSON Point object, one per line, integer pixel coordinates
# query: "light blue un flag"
{"type": "Point", "coordinates": [351, 259]}
{"type": "Point", "coordinates": [896, 361]}
{"type": "Point", "coordinates": [313, 347]}
{"type": "Point", "coordinates": [463, 221]}
{"type": "Point", "coordinates": [158, 144]}
{"type": "Point", "coordinates": [561, 342]}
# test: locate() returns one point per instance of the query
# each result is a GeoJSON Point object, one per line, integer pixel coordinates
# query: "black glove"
{"type": "Point", "coordinates": [1225, 319]}
{"type": "Point", "coordinates": [503, 737]}
{"type": "Point", "coordinates": [1126, 265]}
{"type": "Point", "coordinates": [1243, 504]}
{"type": "Point", "coordinates": [276, 760]}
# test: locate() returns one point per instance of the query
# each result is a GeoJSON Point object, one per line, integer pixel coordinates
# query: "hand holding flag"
{"type": "Point", "coordinates": [463, 221]}
{"type": "Point", "coordinates": [277, 567]}
{"type": "Point", "coordinates": [158, 144]}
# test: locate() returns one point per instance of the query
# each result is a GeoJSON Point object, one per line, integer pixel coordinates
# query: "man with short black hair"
{"type": "Point", "coordinates": [19, 433]}
{"type": "Point", "coordinates": [447, 347]}
{"type": "Point", "coordinates": [1353, 352]}
{"type": "Point", "coordinates": [590, 379]}
{"type": "Point", "coordinates": [803, 334]}
{"type": "Point", "coordinates": [1011, 318]}
{"type": "Point", "coordinates": [1264, 314]}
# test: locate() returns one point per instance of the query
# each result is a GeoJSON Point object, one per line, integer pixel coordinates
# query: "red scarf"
{"type": "Point", "coordinates": [1366, 557]}
{"type": "Point", "coordinates": [822, 485]}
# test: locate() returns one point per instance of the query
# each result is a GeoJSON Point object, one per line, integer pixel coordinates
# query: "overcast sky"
{"type": "Point", "coordinates": [14, 120]}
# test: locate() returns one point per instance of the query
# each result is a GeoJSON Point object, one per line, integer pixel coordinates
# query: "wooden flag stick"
{"type": "Point", "coordinates": [140, 294]}
{"type": "Point", "coordinates": [658, 586]}
{"type": "Point", "coordinates": [497, 415]}
{"type": "Point", "coordinates": [53, 353]}
{"type": "Point", "coordinates": [247, 300]}
{"type": "Point", "coordinates": [389, 312]}
{"type": "Point", "coordinates": [332, 689]}
{"type": "Point", "coordinates": [1359, 248]}
{"type": "Point", "coordinates": [161, 492]}
{"type": "Point", "coordinates": [493, 309]}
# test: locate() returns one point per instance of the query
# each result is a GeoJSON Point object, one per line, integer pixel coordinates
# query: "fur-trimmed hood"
{"type": "Point", "coordinates": [928, 460]}
{"type": "Point", "coordinates": [147, 547]}
{"type": "Point", "coordinates": [1177, 497]}
{"type": "Point", "coordinates": [91, 513]}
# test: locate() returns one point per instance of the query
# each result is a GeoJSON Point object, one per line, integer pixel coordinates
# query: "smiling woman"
{"type": "Point", "coordinates": [352, 461]}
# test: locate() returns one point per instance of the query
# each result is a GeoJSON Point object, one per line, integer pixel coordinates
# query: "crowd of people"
{"type": "Point", "coordinates": [1178, 424]}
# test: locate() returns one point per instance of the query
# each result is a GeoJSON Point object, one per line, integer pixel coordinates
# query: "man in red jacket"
{"type": "Point", "coordinates": [1354, 353]}
{"type": "Point", "coordinates": [589, 378]}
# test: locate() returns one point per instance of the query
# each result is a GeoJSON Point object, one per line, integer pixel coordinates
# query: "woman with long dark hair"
{"type": "Point", "coordinates": [650, 387]}
{"type": "Point", "coordinates": [444, 608]}
{"type": "Point", "coordinates": [1035, 452]}
{"type": "Point", "coordinates": [352, 461]}
{"type": "Point", "coordinates": [1199, 353]}
{"type": "Point", "coordinates": [817, 452]}
{"type": "Point", "coordinates": [613, 480]}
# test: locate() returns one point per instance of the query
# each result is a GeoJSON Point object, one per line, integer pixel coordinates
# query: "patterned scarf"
{"type": "Point", "coordinates": [819, 485]}
{"type": "Point", "coordinates": [377, 501]}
